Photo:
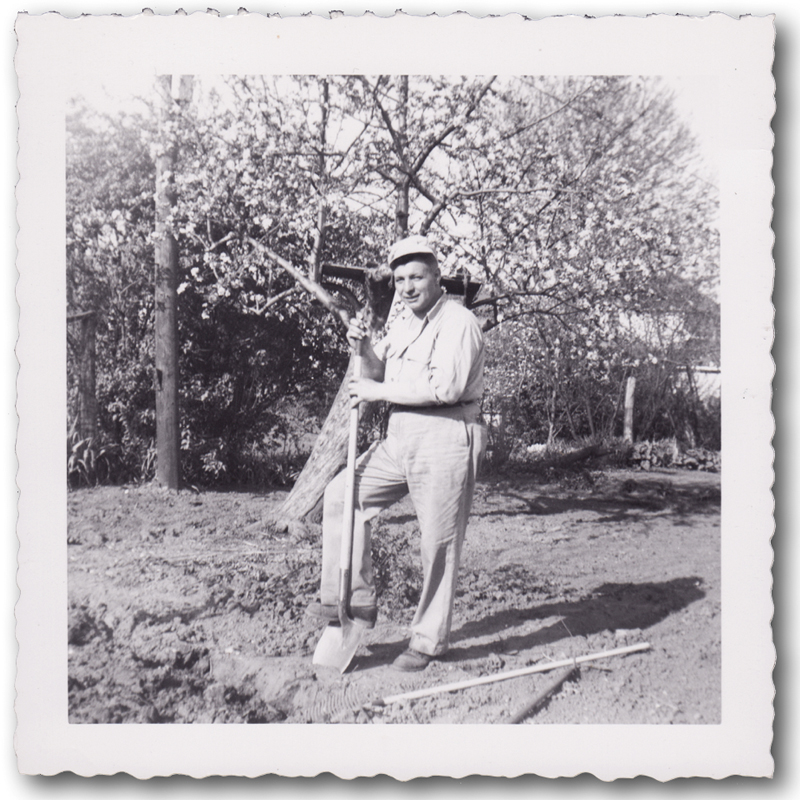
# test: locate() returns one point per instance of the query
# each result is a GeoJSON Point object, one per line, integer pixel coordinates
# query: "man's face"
{"type": "Point", "coordinates": [418, 285]}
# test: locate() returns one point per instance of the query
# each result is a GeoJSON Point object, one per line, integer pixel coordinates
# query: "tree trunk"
{"type": "Point", "coordinates": [322, 208]}
{"type": "Point", "coordinates": [690, 426]}
{"type": "Point", "coordinates": [326, 460]}
{"type": "Point", "coordinates": [630, 388]}
{"type": "Point", "coordinates": [403, 192]}
{"type": "Point", "coordinates": [570, 422]}
{"type": "Point", "coordinates": [87, 383]}
{"type": "Point", "coordinates": [166, 292]}
{"type": "Point", "coordinates": [589, 417]}
{"type": "Point", "coordinates": [330, 448]}
{"type": "Point", "coordinates": [551, 417]}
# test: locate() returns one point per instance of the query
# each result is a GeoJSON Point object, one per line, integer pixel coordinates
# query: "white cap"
{"type": "Point", "coordinates": [411, 245]}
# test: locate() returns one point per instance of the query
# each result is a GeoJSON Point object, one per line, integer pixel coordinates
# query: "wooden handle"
{"type": "Point", "coordinates": [348, 515]}
{"type": "Point", "coordinates": [516, 673]}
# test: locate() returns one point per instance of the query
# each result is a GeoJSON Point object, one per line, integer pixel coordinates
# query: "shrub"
{"type": "Point", "coordinates": [89, 462]}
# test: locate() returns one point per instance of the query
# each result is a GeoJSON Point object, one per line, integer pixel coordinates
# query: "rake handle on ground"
{"type": "Point", "coordinates": [516, 673]}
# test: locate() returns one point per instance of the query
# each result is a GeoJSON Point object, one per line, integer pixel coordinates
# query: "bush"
{"type": "Point", "coordinates": [90, 463]}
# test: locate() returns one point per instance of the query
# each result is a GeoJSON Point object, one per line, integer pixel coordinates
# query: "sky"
{"type": "Point", "coordinates": [697, 104]}
{"type": "Point", "coordinates": [695, 101]}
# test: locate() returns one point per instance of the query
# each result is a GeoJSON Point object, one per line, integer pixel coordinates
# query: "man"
{"type": "Point", "coordinates": [429, 367]}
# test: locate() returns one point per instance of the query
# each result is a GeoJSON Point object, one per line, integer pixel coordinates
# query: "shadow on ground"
{"type": "Point", "coordinates": [626, 505]}
{"type": "Point", "coordinates": [612, 606]}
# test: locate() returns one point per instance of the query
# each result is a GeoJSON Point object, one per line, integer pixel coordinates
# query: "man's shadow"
{"type": "Point", "coordinates": [626, 505]}
{"type": "Point", "coordinates": [609, 607]}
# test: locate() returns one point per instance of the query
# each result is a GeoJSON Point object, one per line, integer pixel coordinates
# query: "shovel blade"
{"type": "Point", "coordinates": [338, 645]}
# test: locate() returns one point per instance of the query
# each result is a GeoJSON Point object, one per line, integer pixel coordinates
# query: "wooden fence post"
{"type": "Point", "coordinates": [630, 387]}
{"type": "Point", "coordinates": [86, 422]}
{"type": "Point", "coordinates": [168, 436]}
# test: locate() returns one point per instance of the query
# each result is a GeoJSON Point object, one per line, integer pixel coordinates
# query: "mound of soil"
{"type": "Point", "coordinates": [184, 607]}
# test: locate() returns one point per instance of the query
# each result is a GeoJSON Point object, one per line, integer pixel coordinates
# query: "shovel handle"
{"type": "Point", "coordinates": [346, 553]}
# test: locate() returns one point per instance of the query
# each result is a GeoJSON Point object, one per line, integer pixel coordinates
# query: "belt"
{"type": "Point", "coordinates": [439, 407]}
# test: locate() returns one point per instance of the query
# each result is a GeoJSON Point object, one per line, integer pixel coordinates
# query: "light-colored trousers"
{"type": "Point", "coordinates": [433, 454]}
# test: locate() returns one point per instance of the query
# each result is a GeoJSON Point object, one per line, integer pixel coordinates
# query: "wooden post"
{"type": "Point", "coordinates": [170, 89]}
{"type": "Point", "coordinates": [86, 422]}
{"type": "Point", "coordinates": [87, 382]}
{"type": "Point", "coordinates": [630, 387]}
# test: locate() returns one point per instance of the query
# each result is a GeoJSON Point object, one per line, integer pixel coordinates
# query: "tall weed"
{"type": "Point", "coordinates": [90, 463]}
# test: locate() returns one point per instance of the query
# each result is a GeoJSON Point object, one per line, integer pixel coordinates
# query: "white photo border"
{"type": "Point", "coordinates": [54, 52]}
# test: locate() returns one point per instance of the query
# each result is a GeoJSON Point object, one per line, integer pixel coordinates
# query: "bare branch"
{"type": "Point", "coordinates": [440, 204]}
{"type": "Point", "coordinates": [491, 324]}
{"type": "Point", "coordinates": [309, 285]}
{"type": "Point", "coordinates": [430, 217]}
{"type": "Point", "coordinates": [343, 155]}
{"type": "Point", "coordinates": [220, 242]}
{"type": "Point", "coordinates": [276, 299]}
{"type": "Point", "coordinates": [387, 121]}
{"type": "Point", "coordinates": [209, 248]}
{"type": "Point", "coordinates": [454, 125]}
{"type": "Point", "coordinates": [80, 315]}
{"type": "Point", "coordinates": [566, 104]}
{"type": "Point", "coordinates": [511, 190]}
{"type": "Point", "coordinates": [493, 301]}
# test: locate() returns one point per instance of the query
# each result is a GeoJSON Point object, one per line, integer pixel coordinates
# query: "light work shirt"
{"type": "Point", "coordinates": [441, 356]}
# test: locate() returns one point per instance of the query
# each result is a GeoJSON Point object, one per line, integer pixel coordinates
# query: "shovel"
{"type": "Point", "coordinates": [339, 641]}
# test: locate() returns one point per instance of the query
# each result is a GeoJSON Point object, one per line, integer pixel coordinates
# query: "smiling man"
{"type": "Point", "coordinates": [429, 367]}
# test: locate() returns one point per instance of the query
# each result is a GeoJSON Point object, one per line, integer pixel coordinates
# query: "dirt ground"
{"type": "Point", "coordinates": [184, 609]}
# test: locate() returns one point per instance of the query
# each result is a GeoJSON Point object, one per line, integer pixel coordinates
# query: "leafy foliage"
{"type": "Point", "coordinates": [578, 201]}
{"type": "Point", "coordinates": [90, 463]}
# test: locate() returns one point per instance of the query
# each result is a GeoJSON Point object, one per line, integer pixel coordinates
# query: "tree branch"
{"type": "Point", "coordinates": [209, 248]}
{"type": "Point", "coordinates": [457, 123]}
{"type": "Point", "coordinates": [412, 170]}
{"type": "Point", "coordinates": [566, 104]}
{"type": "Point", "coordinates": [276, 299]}
{"type": "Point", "coordinates": [511, 190]}
{"type": "Point", "coordinates": [387, 121]}
{"type": "Point", "coordinates": [493, 301]}
{"type": "Point", "coordinates": [490, 324]}
{"type": "Point", "coordinates": [440, 204]}
{"type": "Point", "coordinates": [80, 315]}
{"type": "Point", "coordinates": [309, 285]}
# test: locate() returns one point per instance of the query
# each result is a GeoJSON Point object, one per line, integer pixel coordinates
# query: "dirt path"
{"type": "Point", "coordinates": [182, 610]}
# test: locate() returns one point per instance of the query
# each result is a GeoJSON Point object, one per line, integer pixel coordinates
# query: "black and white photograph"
{"type": "Point", "coordinates": [578, 222]}
{"type": "Point", "coordinates": [398, 391]}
